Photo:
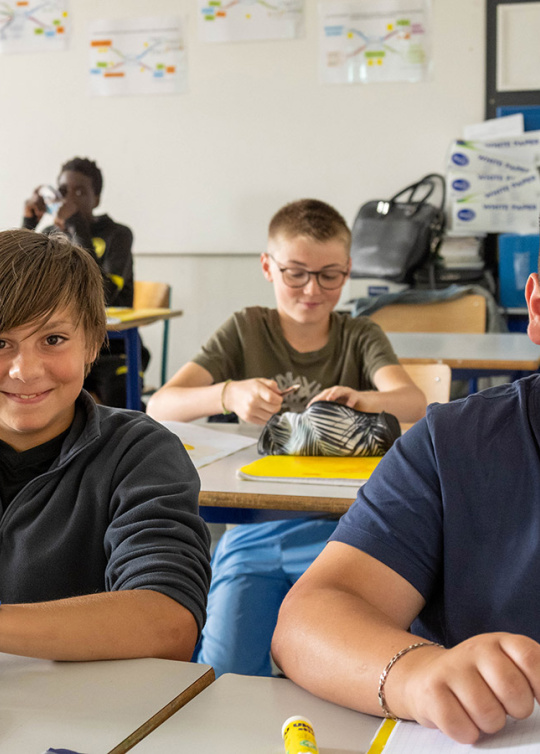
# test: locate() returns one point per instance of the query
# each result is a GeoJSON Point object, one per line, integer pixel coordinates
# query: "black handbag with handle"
{"type": "Point", "coordinates": [392, 238]}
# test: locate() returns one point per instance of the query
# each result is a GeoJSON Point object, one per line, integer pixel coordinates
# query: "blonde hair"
{"type": "Point", "coordinates": [311, 218]}
{"type": "Point", "coordinates": [40, 274]}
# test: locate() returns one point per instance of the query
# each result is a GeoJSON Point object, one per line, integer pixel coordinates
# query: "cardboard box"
{"type": "Point", "coordinates": [465, 187]}
{"type": "Point", "coordinates": [494, 217]}
{"type": "Point", "coordinates": [467, 156]}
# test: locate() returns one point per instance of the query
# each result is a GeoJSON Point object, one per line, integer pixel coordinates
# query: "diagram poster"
{"type": "Point", "coordinates": [137, 56]}
{"type": "Point", "coordinates": [33, 25]}
{"type": "Point", "coordinates": [374, 40]}
{"type": "Point", "coordinates": [245, 20]}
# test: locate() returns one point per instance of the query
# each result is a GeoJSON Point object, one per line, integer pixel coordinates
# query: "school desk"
{"type": "Point", "coordinates": [224, 498]}
{"type": "Point", "coordinates": [243, 714]}
{"type": "Point", "coordinates": [482, 353]}
{"type": "Point", "coordinates": [90, 707]}
{"type": "Point", "coordinates": [125, 324]}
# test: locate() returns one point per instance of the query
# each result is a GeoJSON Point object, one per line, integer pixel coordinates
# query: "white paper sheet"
{"type": "Point", "coordinates": [34, 26]}
{"type": "Point", "coordinates": [250, 20]}
{"type": "Point", "coordinates": [510, 125]}
{"type": "Point", "coordinates": [518, 737]}
{"type": "Point", "coordinates": [137, 56]}
{"type": "Point", "coordinates": [369, 41]}
{"type": "Point", "coordinates": [206, 445]}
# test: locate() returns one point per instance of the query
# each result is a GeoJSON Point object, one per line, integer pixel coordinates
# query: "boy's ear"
{"type": "Point", "coordinates": [532, 296]}
{"type": "Point", "coordinates": [265, 264]}
{"type": "Point", "coordinates": [92, 352]}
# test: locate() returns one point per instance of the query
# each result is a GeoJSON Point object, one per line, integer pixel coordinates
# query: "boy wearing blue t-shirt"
{"type": "Point", "coordinates": [425, 605]}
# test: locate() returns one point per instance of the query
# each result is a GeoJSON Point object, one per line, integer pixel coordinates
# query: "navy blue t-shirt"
{"type": "Point", "coordinates": [454, 508]}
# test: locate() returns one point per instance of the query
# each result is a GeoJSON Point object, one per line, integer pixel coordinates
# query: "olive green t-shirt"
{"type": "Point", "coordinates": [251, 344]}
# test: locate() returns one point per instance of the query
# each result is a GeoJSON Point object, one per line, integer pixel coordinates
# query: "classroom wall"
{"type": "Point", "coordinates": [198, 175]}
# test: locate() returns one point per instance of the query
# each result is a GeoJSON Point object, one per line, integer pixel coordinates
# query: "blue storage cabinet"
{"type": "Point", "coordinates": [518, 257]}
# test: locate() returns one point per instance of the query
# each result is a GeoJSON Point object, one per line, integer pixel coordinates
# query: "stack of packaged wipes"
{"type": "Point", "coordinates": [494, 185]}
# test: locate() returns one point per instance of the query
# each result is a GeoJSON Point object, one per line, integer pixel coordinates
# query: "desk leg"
{"type": "Point", "coordinates": [133, 380]}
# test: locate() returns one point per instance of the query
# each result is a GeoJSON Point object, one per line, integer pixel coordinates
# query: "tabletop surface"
{"type": "Point", "coordinates": [244, 714]}
{"type": "Point", "coordinates": [504, 350]}
{"type": "Point", "coordinates": [89, 707]}
{"type": "Point", "coordinates": [115, 325]}
{"type": "Point", "coordinates": [220, 486]}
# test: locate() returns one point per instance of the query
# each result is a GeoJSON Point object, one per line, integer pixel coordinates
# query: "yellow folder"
{"type": "Point", "coordinates": [347, 471]}
{"type": "Point", "coordinates": [124, 314]}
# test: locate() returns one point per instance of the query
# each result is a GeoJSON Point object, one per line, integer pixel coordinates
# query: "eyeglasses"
{"type": "Point", "coordinates": [295, 277]}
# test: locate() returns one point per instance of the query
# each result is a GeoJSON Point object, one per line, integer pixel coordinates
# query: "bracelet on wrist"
{"type": "Point", "coordinates": [225, 410]}
{"type": "Point", "coordinates": [384, 675]}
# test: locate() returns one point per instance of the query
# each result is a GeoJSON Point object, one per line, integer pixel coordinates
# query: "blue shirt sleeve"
{"type": "Point", "coordinates": [397, 516]}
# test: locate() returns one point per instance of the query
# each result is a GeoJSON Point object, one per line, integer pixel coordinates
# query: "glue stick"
{"type": "Point", "coordinates": [298, 736]}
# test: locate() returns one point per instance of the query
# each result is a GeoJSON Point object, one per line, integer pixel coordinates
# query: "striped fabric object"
{"type": "Point", "coordinates": [327, 428]}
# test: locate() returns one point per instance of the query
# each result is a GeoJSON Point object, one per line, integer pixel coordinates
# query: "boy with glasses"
{"type": "Point", "coordinates": [249, 367]}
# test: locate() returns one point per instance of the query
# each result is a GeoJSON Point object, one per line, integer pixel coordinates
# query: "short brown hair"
{"type": "Point", "coordinates": [311, 218]}
{"type": "Point", "coordinates": [42, 273]}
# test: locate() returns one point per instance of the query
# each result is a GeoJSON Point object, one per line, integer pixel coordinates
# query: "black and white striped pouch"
{"type": "Point", "coordinates": [328, 428]}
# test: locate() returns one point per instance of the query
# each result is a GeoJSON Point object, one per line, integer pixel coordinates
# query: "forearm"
{"type": "Point", "coordinates": [112, 625]}
{"type": "Point", "coordinates": [405, 403]}
{"type": "Point", "coordinates": [351, 641]}
{"type": "Point", "coordinates": [186, 403]}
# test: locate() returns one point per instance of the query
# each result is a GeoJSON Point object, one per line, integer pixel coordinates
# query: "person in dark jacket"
{"type": "Point", "coordinates": [102, 552]}
{"type": "Point", "coordinates": [80, 184]}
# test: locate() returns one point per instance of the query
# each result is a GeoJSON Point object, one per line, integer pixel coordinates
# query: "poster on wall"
{"type": "Point", "coordinates": [143, 55]}
{"type": "Point", "coordinates": [367, 41]}
{"type": "Point", "coordinates": [33, 26]}
{"type": "Point", "coordinates": [245, 20]}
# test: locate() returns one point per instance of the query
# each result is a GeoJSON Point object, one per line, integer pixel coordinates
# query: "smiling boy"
{"type": "Point", "coordinates": [244, 368]}
{"type": "Point", "coordinates": [102, 554]}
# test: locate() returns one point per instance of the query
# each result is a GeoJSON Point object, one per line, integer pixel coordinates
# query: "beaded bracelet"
{"type": "Point", "coordinates": [384, 674]}
{"type": "Point", "coordinates": [225, 410]}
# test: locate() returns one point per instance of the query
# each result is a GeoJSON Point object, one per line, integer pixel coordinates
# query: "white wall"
{"type": "Point", "coordinates": [197, 176]}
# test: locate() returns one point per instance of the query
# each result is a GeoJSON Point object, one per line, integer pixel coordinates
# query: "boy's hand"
{"type": "Point", "coordinates": [338, 393]}
{"type": "Point", "coordinates": [35, 207]}
{"type": "Point", "coordinates": [254, 400]}
{"type": "Point", "coordinates": [66, 210]}
{"type": "Point", "coordinates": [471, 688]}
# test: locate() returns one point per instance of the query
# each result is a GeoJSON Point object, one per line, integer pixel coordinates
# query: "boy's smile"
{"type": "Point", "coordinates": [42, 368]}
{"type": "Point", "coordinates": [310, 304]}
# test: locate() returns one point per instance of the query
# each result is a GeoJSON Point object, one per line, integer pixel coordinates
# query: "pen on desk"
{"type": "Point", "coordinates": [290, 389]}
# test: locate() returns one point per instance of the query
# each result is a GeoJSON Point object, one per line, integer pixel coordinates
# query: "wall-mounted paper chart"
{"type": "Point", "coordinates": [244, 20]}
{"type": "Point", "coordinates": [364, 41]}
{"type": "Point", "coordinates": [137, 56]}
{"type": "Point", "coordinates": [33, 25]}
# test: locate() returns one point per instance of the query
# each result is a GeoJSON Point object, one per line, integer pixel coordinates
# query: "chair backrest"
{"type": "Point", "coordinates": [433, 380]}
{"type": "Point", "coordinates": [149, 295]}
{"type": "Point", "coordinates": [466, 314]}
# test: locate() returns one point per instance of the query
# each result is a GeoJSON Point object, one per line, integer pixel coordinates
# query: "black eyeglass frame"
{"type": "Point", "coordinates": [309, 273]}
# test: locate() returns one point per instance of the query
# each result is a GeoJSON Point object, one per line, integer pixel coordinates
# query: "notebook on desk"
{"type": "Point", "coordinates": [517, 737]}
{"type": "Point", "coordinates": [348, 471]}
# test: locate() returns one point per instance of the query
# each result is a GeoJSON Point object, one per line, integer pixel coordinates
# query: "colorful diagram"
{"type": "Point", "coordinates": [33, 25]}
{"type": "Point", "coordinates": [137, 56]}
{"type": "Point", "coordinates": [374, 41]}
{"type": "Point", "coordinates": [245, 20]}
